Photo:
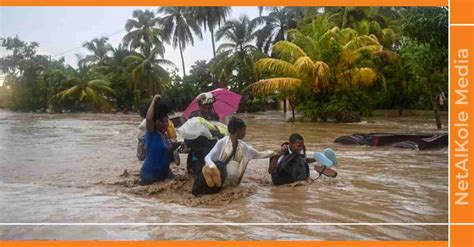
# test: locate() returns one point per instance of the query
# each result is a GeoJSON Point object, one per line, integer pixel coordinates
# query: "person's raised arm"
{"type": "Point", "coordinates": [150, 114]}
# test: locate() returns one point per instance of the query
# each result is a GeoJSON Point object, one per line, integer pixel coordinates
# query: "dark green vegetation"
{"type": "Point", "coordinates": [330, 64]}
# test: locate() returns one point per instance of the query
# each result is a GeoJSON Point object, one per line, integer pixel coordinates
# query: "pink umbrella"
{"type": "Point", "coordinates": [226, 103]}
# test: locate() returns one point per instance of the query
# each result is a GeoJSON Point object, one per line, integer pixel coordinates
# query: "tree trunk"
{"type": "Point", "coordinates": [182, 60]}
{"type": "Point", "coordinates": [400, 111]}
{"type": "Point", "coordinates": [292, 106]}
{"type": "Point", "coordinates": [435, 106]}
{"type": "Point", "coordinates": [211, 29]}
{"type": "Point", "coordinates": [344, 18]}
{"type": "Point", "coordinates": [436, 114]}
{"type": "Point", "coordinates": [214, 75]}
{"type": "Point", "coordinates": [284, 106]}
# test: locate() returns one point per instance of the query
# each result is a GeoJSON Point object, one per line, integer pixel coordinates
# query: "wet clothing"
{"type": "Point", "coordinates": [237, 165]}
{"type": "Point", "coordinates": [170, 132]}
{"type": "Point", "coordinates": [141, 147]}
{"type": "Point", "coordinates": [291, 167]}
{"type": "Point", "coordinates": [230, 162]}
{"type": "Point", "coordinates": [200, 186]}
{"type": "Point", "coordinates": [156, 166]}
{"type": "Point", "coordinates": [200, 146]}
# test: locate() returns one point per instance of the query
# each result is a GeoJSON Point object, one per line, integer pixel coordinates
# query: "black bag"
{"type": "Point", "coordinates": [200, 186]}
{"type": "Point", "coordinates": [293, 167]}
{"type": "Point", "coordinates": [199, 148]}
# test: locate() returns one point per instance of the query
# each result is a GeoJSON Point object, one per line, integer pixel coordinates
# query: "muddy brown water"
{"type": "Point", "coordinates": [69, 168]}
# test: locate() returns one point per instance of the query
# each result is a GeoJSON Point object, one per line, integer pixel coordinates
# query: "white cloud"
{"type": "Point", "coordinates": [61, 31]}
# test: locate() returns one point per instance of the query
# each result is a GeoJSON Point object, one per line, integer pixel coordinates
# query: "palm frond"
{"type": "Point", "coordinates": [362, 76]}
{"type": "Point", "coordinates": [132, 59]}
{"type": "Point", "coordinates": [361, 41]}
{"type": "Point", "coordinates": [347, 34]}
{"type": "Point", "coordinates": [83, 95]}
{"type": "Point", "coordinates": [164, 62]}
{"type": "Point", "coordinates": [388, 37]}
{"type": "Point", "coordinates": [288, 49]}
{"type": "Point", "coordinates": [389, 56]}
{"type": "Point", "coordinates": [277, 66]}
{"type": "Point", "coordinates": [282, 84]}
{"type": "Point", "coordinates": [327, 36]}
{"type": "Point", "coordinates": [305, 66]}
{"type": "Point", "coordinates": [225, 46]}
{"type": "Point", "coordinates": [374, 49]}
{"type": "Point", "coordinates": [68, 92]}
{"type": "Point", "coordinates": [131, 23]}
{"type": "Point", "coordinates": [98, 82]}
{"type": "Point", "coordinates": [95, 99]}
{"type": "Point", "coordinates": [129, 37]}
{"type": "Point", "coordinates": [322, 73]}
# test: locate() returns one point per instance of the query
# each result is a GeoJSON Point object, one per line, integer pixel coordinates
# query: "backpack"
{"type": "Point", "coordinates": [293, 167]}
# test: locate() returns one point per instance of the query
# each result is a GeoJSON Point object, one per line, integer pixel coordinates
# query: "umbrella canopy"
{"type": "Point", "coordinates": [225, 103]}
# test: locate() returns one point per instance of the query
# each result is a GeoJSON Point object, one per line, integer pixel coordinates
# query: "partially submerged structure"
{"type": "Point", "coordinates": [413, 141]}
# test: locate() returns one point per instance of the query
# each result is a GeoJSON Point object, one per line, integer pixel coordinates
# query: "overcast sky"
{"type": "Point", "coordinates": [61, 31]}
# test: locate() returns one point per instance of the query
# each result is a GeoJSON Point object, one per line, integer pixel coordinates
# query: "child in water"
{"type": "Point", "coordinates": [291, 165]}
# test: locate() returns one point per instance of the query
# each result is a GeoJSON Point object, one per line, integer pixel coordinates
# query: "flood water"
{"type": "Point", "coordinates": [51, 168]}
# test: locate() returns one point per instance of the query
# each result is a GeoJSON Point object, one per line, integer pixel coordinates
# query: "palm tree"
{"type": "Point", "coordinates": [278, 21]}
{"type": "Point", "coordinates": [148, 76]}
{"type": "Point", "coordinates": [211, 17]}
{"type": "Point", "coordinates": [120, 78]}
{"type": "Point", "coordinates": [301, 65]}
{"type": "Point", "coordinates": [179, 25]}
{"type": "Point", "coordinates": [379, 21]}
{"type": "Point", "coordinates": [145, 38]}
{"type": "Point", "coordinates": [144, 32]}
{"type": "Point", "coordinates": [235, 58]}
{"type": "Point", "coordinates": [114, 63]}
{"type": "Point", "coordinates": [100, 49]}
{"type": "Point", "coordinates": [345, 17]}
{"type": "Point", "coordinates": [85, 86]}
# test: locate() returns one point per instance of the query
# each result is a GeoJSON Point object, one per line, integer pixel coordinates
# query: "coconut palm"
{"type": "Point", "coordinates": [144, 32]}
{"type": "Point", "coordinates": [100, 49]}
{"type": "Point", "coordinates": [211, 17]}
{"type": "Point", "coordinates": [114, 63]}
{"type": "Point", "coordinates": [179, 24]}
{"type": "Point", "coordinates": [301, 65]}
{"type": "Point", "coordinates": [379, 21]}
{"type": "Point", "coordinates": [120, 78]}
{"type": "Point", "coordinates": [148, 75]}
{"type": "Point", "coordinates": [236, 57]}
{"type": "Point", "coordinates": [276, 23]}
{"type": "Point", "coordinates": [345, 17]}
{"type": "Point", "coordinates": [85, 86]}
